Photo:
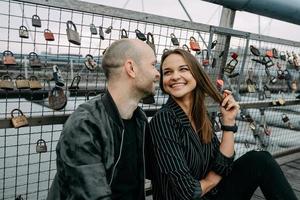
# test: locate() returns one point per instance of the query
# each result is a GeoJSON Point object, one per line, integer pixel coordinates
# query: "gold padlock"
{"type": "Point", "coordinates": [34, 84]}
{"type": "Point", "coordinates": [21, 82]}
{"type": "Point", "coordinates": [20, 120]}
{"type": "Point", "coordinates": [6, 82]}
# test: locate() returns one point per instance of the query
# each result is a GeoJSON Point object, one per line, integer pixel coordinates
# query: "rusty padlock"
{"type": "Point", "coordinates": [8, 58]}
{"type": "Point", "coordinates": [57, 98]}
{"type": "Point", "coordinates": [20, 120]}
{"type": "Point", "coordinates": [150, 41]}
{"type": "Point", "coordinates": [41, 146]}
{"type": "Point", "coordinates": [36, 21]}
{"type": "Point", "coordinates": [75, 83]}
{"type": "Point", "coordinates": [48, 35]}
{"type": "Point", "coordinates": [6, 82]}
{"type": "Point", "coordinates": [34, 83]}
{"type": "Point", "coordinates": [194, 44]}
{"type": "Point", "coordinates": [34, 60]}
{"type": "Point", "coordinates": [90, 63]}
{"type": "Point", "coordinates": [22, 82]}
{"type": "Point", "coordinates": [23, 32]}
{"type": "Point", "coordinates": [72, 34]}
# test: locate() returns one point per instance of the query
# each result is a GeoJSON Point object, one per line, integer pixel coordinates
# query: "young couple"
{"type": "Point", "coordinates": [103, 152]}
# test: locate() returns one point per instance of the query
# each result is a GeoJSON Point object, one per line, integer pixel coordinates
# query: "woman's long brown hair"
{"type": "Point", "coordinates": [204, 86]}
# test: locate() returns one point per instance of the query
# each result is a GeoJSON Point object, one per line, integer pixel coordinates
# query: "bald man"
{"type": "Point", "coordinates": [100, 150]}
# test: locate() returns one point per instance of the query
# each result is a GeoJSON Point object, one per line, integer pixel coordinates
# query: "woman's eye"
{"type": "Point", "coordinates": [184, 69]}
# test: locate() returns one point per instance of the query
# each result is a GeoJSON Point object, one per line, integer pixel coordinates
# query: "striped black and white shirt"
{"type": "Point", "coordinates": [180, 160]}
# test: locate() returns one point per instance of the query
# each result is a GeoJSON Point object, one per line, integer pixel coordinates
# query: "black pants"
{"type": "Point", "coordinates": [252, 170]}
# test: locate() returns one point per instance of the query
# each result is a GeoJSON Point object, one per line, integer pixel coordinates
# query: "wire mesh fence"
{"type": "Point", "coordinates": [35, 43]}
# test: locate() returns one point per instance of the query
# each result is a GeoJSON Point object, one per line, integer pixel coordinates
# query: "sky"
{"type": "Point", "coordinates": [208, 13]}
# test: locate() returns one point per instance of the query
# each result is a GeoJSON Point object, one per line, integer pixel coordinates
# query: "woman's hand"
{"type": "Point", "coordinates": [229, 108]}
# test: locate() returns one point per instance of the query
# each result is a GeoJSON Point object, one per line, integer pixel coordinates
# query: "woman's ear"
{"type": "Point", "coordinates": [130, 68]}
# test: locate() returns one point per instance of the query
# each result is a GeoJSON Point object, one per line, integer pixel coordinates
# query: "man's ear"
{"type": "Point", "coordinates": [130, 68]}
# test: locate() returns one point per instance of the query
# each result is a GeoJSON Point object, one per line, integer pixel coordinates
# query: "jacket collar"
{"type": "Point", "coordinates": [180, 114]}
{"type": "Point", "coordinates": [113, 111]}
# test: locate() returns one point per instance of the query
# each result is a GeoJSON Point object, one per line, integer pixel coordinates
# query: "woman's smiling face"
{"type": "Point", "coordinates": [178, 80]}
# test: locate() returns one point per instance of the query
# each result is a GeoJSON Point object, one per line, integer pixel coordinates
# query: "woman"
{"type": "Point", "coordinates": [185, 158]}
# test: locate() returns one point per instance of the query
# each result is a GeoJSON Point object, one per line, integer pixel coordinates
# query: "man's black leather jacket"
{"type": "Point", "coordinates": [89, 149]}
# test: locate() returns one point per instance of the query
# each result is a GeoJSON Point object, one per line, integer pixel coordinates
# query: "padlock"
{"type": "Point", "coordinates": [234, 55]}
{"type": "Point", "coordinates": [101, 33]}
{"type": "Point", "coordinates": [268, 62]}
{"type": "Point", "coordinates": [8, 58]}
{"type": "Point", "coordinates": [267, 91]}
{"type": "Point", "coordinates": [282, 55]}
{"type": "Point", "coordinates": [6, 82]}
{"type": "Point", "coordinates": [205, 58]}
{"type": "Point", "coordinates": [93, 29]}
{"type": "Point", "coordinates": [90, 63]}
{"type": "Point", "coordinates": [20, 120]}
{"type": "Point", "coordinates": [269, 53]}
{"type": "Point", "coordinates": [165, 50]}
{"type": "Point", "coordinates": [252, 126]}
{"type": "Point", "coordinates": [124, 33]}
{"type": "Point", "coordinates": [36, 21]}
{"type": "Point", "coordinates": [48, 35]}
{"type": "Point", "coordinates": [185, 47]}
{"type": "Point", "coordinates": [90, 93]}
{"type": "Point", "coordinates": [213, 44]}
{"type": "Point", "coordinates": [275, 53]}
{"type": "Point", "coordinates": [254, 50]}
{"type": "Point", "coordinates": [251, 86]}
{"type": "Point", "coordinates": [194, 45]}
{"type": "Point", "coordinates": [108, 30]}
{"type": "Point", "coordinates": [174, 40]}
{"type": "Point", "coordinates": [280, 74]}
{"type": "Point", "coordinates": [213, 63]}
{"type": "Point", "coordinates": [34, 83]}
{"type": "Point", "coordinates": [267, 130]}
{"type": "Point", "coordinates": [19, 197]}
{"type": "Point", "coordinates": [233, 75]}
{"type": "Point", "coordinates": [73, 35]}
{"type": "Point", "coordinates": [287, 75]}
{"type": "Point", "coordinates": [41, 146]}
{"type": "Point", "coordinates": [290, 58]}
{"type": "Point", "coordinates": [294, 86]}
{"type": "Point", "coordinates": [230, 66]}
{"type": "Point", "coordinates": [285, 118]}
{"type": "Point", "coordinates": [23, 32]}
{"type": "Point", "coordinates": [34, 60]}
{"type": "Point", "coordinates": [140, 35]}
{"type": "Point", "coordinates": [58, 79]}
{"type": "Point", "coordinates": [21, 82]}
{"type": "Point", "coordinates": [75, 83]}
{"type": "Point", "coordinates": [57, 98]}
{"type": "Point", "coordinates": [150, 41]}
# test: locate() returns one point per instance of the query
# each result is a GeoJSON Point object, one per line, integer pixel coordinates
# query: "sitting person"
{"type": "Point", "coordinates": [186, 160]}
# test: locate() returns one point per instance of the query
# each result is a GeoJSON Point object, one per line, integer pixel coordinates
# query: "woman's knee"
{"type": "Point", "coordinates": [260, 158]}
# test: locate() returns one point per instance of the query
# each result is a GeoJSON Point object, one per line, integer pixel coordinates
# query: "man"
{"type": "Point", "coordinates": [100, 150]}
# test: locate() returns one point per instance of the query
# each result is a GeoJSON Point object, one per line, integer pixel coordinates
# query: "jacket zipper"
{"type": "Point", "coordinates": [114, 168]}
{"type": "Point", "coordinates": [144, 131]}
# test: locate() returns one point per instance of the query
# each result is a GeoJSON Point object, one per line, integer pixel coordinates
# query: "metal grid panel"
{"type": "Point", "coordinates": [27, 173]}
